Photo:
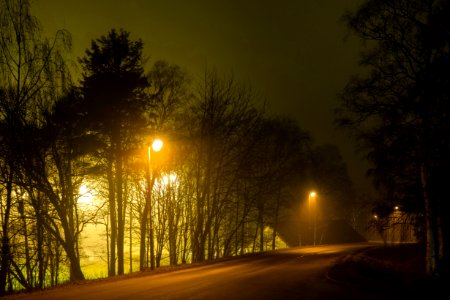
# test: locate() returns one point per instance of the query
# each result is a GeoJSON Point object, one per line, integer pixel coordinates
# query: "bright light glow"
{"type": "Point", "coordinates": [396, 207]}
{"type": "Point", "coordinates": [312, 194]}
{"type": "Point", "coordinates": [157, 145]}
{"type": "Point", "coordinates": [375, 217]}
{"type": "Point", "coordinates": [167, 180]}
{"type": "Point", "coordinates": [86, 196]}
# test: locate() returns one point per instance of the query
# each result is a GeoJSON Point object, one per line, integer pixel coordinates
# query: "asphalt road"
{"type": "Point", "coordinates": [296, 273]}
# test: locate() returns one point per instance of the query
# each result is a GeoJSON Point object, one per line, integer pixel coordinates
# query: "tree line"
{"type": "Point", "coordinates": [398, 111]}
{"type": "Point", "coordinates": [226, 171]}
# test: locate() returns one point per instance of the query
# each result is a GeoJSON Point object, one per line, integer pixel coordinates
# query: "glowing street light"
{"type": "Point", "coordinates": [311, 197]}
{"type": "Point", "coordinates": [156, 146]}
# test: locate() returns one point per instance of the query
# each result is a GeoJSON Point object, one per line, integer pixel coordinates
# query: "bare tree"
{"type": "Point", "coordinates": [167, 93]}
{"type": "Point", "coordinates": [398, 110]}
{"type": "Point", "coordinates": [222, 117]}
{"type": "Point", "coordinates": [28, 64]}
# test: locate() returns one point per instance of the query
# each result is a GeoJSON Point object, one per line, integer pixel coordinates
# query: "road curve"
{"type": "Point", "coordinates": [294, 273]}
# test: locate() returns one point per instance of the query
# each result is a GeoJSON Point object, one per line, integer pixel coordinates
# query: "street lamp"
{"type": "Point", "coordinates": [156, 146]}
{"type": "Point", "coordinates": [311, 197]}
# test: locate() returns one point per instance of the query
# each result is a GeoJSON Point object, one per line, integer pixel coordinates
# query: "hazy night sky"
{"type": "Point", "coordinates": [291, 51]}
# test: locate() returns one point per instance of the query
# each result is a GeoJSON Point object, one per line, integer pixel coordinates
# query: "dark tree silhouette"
{"type": "Point", "coordinates": [399, 111]}
{"type": "Point", "coordinates": [33, 74]}
{"type": "Point", "coordinates": [278, 161]}
{"type": "Point", "coordinates": [113, 83]}
{"type": "Point", "coordinates": [219, 122]}
{"type": "Point", "coordinates": [50, 154]}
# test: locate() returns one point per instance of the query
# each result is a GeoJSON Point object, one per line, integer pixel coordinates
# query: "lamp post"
{"type": "Point", "coordinates": [156, 146]}
{"type": "Point", "coordinates": [311, 197]}
{"type": "Point", "coordinates": [147, 214]}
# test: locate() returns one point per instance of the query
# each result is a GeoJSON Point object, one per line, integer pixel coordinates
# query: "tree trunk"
{"type": "Point", "coordinates": [112, 218]}
{"type": "Point", "coordinates": [172, 227]}
{"type": "Point", "coordinates": [275, 223]}
{"type": "Point", "coordinates": [131, 238]}
{"type": "Point", "coordinates": [261, 226]}
{"type": "Point", "coordinates": [40, 244]}
{"type": "Point", "coordinates": [430, 252]}
{"type": "Point", "coordinates": [243, 237]}
{"type": "Point", "coordinates": [147, 220]}
{"type": "Point", "coordinates": [75, 268]}
{"type": "Point", "coordinates": [28, 263]}
{"type": "Point", "coordinates": [6, 248]}
{"type": "Point", "coordinates": [198, 253]}
{"type": "Point", "coordinates": [143, 235]}
{"type": "Point", "coordinates": [120, 212]}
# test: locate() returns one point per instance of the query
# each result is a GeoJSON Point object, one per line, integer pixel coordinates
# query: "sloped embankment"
{"type": "Point", "coordinates": [387, 270]}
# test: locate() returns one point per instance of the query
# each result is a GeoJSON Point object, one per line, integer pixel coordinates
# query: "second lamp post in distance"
{"type": "Point", "coordinates": [313, 213]}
